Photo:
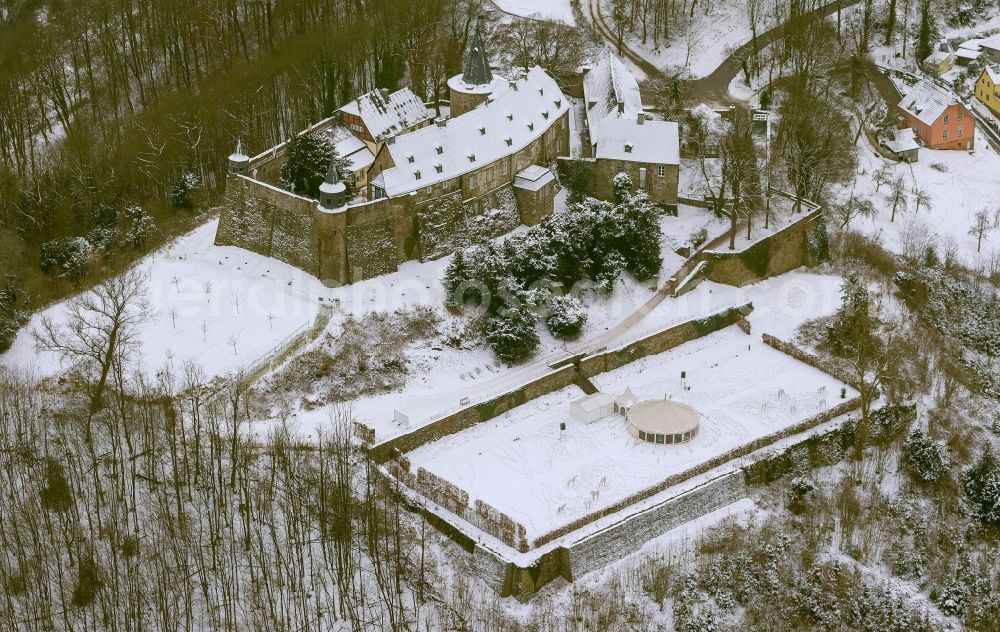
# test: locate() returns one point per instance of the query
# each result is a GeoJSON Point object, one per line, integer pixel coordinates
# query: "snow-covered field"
{"type": "Point", "coordinates": [960, 184]}
{"type": "Point", "coordinates": [522, 464]}
{"type": "Point", "coordinates": [218, 307]}
{"type": "Point", "coordinates": [551, 10]}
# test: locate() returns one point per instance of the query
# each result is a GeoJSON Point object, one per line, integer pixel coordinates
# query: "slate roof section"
{"type": "Point", "coordinates": [654, 142]}
{"type": "Point", "coordinates": [477, 65]}
{"type": "Point", "coordinates": [494, 130]}
{"type": "Point", "coordinates": [386, 114]}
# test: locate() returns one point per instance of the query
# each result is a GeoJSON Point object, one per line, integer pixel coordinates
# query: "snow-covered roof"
{"type": "Point", "coordinates": [967, 53]}
{"type": "Point", "coordinates": [927, 101]}
{"type": "Point", "coordinates": [628, 398]}
{"type": "Point", "coordinates": [496, 129]}
{"type": "Point", "coordinates": [387, 113]}
{"type": "Point", "coordinates": [972, 44]}
{"type": "Point", "coordinates": [992, 42]}
{"type": "Point", "coordinates": [495, 87]}
{"type": "Point", "coordinates": [351, 147]}
{"type": "Point", "coordinates": [626, 139]}
{"type": "Point", "coordinates": [590, 403]}
{"type": "Point", "coordinates": [610, 90]}
{"type": "Point", "coordinates": [993, 72]}
{"type": "Point", "coordinates": [904, 140]}
{"type": "Point", "coordinates": [533, 177]}
{"type": "Point", "coordinates": [937, 57]}
{"type": "Point", "coordinates": [663, 416]}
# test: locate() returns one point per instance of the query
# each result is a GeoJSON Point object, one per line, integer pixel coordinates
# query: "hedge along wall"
{"type": "Point", "coordinates": [474, 414]}
{"type": "Point", "coordinates": [662, 341]}
{"type": "Point", "coordinates": [793, 246]}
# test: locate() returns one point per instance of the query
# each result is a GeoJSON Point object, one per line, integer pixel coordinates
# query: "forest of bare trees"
{"type": "Point", "coordinates": [104, 103]}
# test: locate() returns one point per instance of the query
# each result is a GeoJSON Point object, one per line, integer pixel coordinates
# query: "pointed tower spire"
{"type": "Point", "coordinates": [239, 162]}
{"type": "Point", "coordinates": [333, 191]}
{"type": "Point", "coordinates": [477, 64]}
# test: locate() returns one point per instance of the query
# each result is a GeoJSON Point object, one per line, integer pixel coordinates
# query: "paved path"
{"type": "Point", "coordinates": [714, 88]}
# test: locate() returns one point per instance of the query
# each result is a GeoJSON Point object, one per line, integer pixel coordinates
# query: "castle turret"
{"type": "Point", "coordinates": [238, 161]}
{"type": "Point", "coordinates": [476, 83]}
{"type": "Point", "coordinates": [333, 192]}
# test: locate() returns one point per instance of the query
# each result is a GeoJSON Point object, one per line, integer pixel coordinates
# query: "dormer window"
{"type": "Point", "coordinates": [416, 174]}
{"type": "Point", "coordinates": [439, 149]}
{"type": "Point", "coordinates": [545, 115]}
{"type": "Point", "coordinates": [410, 159]}
{"type": "Point", "coordinates": [558, 103]}
{"type": "Point", "coordinates": [541, 91]}
{"type": "Point", "coordinates": [472, 157]}
{"type": "Point", "coordinates": [628, 148]}
{"type": "Point", "coordinates": [509, 141]}
{"type": "Point", "coordinates": [482, 131]}
{"type": "Point", "coordinates": [439, 167]}
{"type": "Point", "coordinates": [531, 126]}
{"type": "Point", "coordinates": [510, 117]}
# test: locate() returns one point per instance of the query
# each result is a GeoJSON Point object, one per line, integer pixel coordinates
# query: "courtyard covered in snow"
{"type": "Point", "coordinates": [524, 465]}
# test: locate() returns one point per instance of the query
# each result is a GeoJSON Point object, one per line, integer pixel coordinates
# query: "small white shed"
{"type": "Point", "coordinates": [592, 407]}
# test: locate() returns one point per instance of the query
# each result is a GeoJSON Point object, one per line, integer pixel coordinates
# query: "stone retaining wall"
{"type": "Point", "coordinates": [476, 413]}
{"type": "Point", "coordinates": [808, 358]}
{"type": "Point", "coordinates": [661, 341]}
{"type": "Point", "coordinates": [776, 254]}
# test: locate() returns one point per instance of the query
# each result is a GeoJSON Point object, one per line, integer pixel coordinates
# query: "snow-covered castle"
{"type": "Point", "coordinates": [426, 186]}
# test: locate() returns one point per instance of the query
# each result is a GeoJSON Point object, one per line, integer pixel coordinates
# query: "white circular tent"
{"type": "Point", "coordinates": [662, 421]}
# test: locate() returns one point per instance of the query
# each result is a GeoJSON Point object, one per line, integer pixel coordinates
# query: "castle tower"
{"type": "Point", "coordinates": [333, 192]}
{"type": "Point", "coordinates": [239, 162]}
{"type": "Point", "coordinates": [476, 82]}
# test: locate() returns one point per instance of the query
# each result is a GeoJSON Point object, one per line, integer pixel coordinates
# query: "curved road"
{"type": "Point", "coordinates": [713, 88]}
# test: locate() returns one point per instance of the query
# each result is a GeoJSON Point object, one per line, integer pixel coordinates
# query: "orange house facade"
{"type": "Point", "coordinates": [937, 117]}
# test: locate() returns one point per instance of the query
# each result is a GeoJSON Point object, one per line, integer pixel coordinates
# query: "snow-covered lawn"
{"type": "Point", "coordinates": [218, 307]}
{"type": "Point", "coordinates": [960, 184]}
{"type": "Point", "coordinates": [551, 10]}
{"type": "Point", "coordinates": [523, 465]}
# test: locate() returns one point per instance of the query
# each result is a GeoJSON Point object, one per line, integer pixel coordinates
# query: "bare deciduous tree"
{"type": "Point", "coordinates": [100, 329]}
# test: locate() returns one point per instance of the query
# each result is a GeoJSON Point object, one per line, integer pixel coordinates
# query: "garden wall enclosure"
{"type": "Point", "coordinates": [571, 558]}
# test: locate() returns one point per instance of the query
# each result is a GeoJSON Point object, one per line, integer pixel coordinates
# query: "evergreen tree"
{"type": "Point", "coordinates": [621, 184]}
{"type": "Point", "coordinates": [567, 316]}
{"type": "Point", "coordinates": [511, 334]}
{"type": "Point", "coordinates": [925, 33]}
{"type": "Point", "coordinates": [182, 189]}
{"type": "Point", "coordinates": [454, 275]}
{"type": "Point", "coordinates": [12, 316]}
{"type": "Point", "coordinates": [925, 458]}
{"type": "Point", "coordinates": [981, 483]}
{"type": "Point", "coordinates": [308, 159]}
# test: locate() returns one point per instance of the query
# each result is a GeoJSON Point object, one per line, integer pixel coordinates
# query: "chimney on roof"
{"type": "Point", "coordinates": [441, 121]}
{"type": "Point", "coordinates": [641, 118]}
{"type": "Point", "coordinates": [390, 140]}
{"type": "Point", "coordinates": [385, 94]}
{"type": "Point", "coordinates": [621, 107]}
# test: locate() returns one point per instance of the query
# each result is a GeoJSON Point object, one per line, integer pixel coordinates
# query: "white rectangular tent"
{"type": "Point", "coordinates": [592, 407]}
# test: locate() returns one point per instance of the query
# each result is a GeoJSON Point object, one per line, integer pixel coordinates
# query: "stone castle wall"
{"type": "Point", "coordinates": [600, 172]}
{"type": "Point", "coordinates": [373, 238]}
{"type": "Point", "coordinates": [784, 251]}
